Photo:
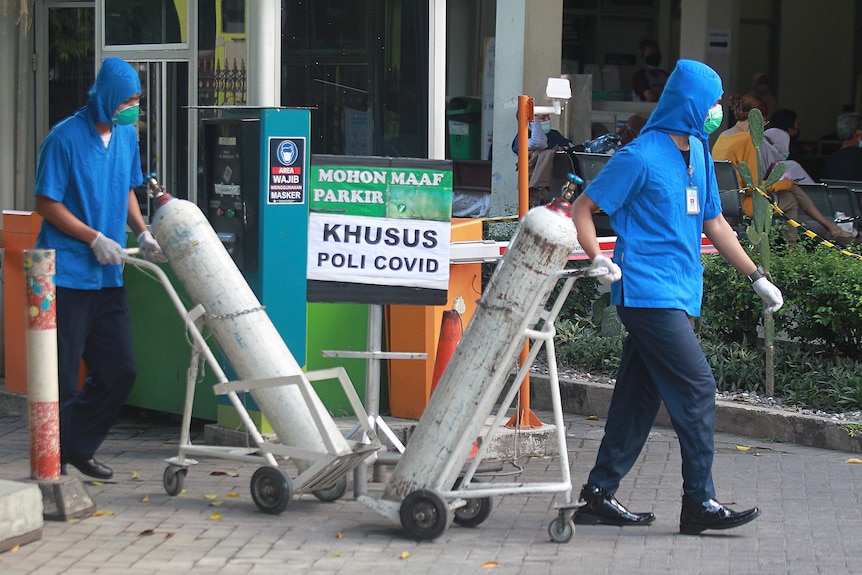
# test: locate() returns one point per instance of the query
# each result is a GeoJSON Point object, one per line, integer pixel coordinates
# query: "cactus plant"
{"type": "Point", "coordinates": [758, 231]}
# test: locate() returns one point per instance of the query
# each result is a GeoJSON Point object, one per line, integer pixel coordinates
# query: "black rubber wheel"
{"type": "Point", "coordinates": [561, 531]}
{"type": "Point", "coordinates": [333, 492]}
{"type": "Point", "coordinates": [476, 511]}
{"type": "Point", "coordinates": [174, 479]}
{"type": "Point", "coordinates": [271, 490]}
{"type": "Point", "coordinates": [424, 514]}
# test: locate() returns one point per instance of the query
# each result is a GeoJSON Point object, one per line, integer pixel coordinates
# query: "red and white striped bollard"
{"type": "Point", "coordinates": [42, 375]}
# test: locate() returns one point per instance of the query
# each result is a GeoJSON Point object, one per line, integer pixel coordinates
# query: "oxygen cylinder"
{"type": "Point", "coordinates": [477, 372]}
{"type": "Point", "coordinates": [241, 327]}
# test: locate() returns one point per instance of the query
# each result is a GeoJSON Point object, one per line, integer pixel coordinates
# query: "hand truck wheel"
{"type": "Point", "coordinates": [174, 479]}
{"type": "Point", "coordinates": [271, 490]}
{"type": "Point", "coordinates": [333, 492]}
{"type": "Point", "coordinates": [424, 514]}
{"type": "Point", "coordinates": [475, 512]}
{"type": "Point", "coordinates": [561, 530]}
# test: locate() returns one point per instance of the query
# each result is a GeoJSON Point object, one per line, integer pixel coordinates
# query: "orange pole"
{"type": "Point", "coordinates": [524, 418]}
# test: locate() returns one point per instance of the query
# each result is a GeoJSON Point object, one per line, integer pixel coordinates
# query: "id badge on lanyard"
{"type": "Point", "coordinates": [692, 204]}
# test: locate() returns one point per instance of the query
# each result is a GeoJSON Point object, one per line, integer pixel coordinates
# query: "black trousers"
{"type": "Point", "coordinates": [93, 325]}
{"type": "Point", "coordinates": [662, 361]}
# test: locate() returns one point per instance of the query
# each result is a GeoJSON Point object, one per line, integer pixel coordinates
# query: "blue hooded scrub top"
{"type": "Point", "coordinates": [643, 190]}
{"type": "Point", "coordinates": [91, 180]}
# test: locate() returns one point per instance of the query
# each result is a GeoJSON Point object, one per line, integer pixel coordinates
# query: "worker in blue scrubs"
{"type": "Point", "coordinates": [89, 165]}
{"type": "Point", "coordinates": [661, 194]}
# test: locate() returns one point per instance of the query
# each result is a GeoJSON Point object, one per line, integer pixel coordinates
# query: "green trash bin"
{"type": "Point", "coordinates": [464, 120]}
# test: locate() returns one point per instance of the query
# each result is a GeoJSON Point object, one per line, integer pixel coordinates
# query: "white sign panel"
{"type": "Point", "coordinates": [378, 251]}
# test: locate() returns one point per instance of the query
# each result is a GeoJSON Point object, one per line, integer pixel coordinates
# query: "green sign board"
{"type": "Point", "coordinates": [376, 230]}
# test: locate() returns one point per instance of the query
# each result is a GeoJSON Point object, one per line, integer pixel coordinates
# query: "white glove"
{"type": "Point", "coordinates": [106, 250]}
{"type": "Point", "coordinates": [614, 271]}
{"type": "Point", "coordinates": [771, 295]}
{"type": "Point", "coordinates": [151, 249]}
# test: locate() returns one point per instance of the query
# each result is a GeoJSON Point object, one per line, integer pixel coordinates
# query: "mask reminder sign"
{"type": "Point", "coordinates": [379, 233]}
{"type": "Point", "coordinates": [286, 183]}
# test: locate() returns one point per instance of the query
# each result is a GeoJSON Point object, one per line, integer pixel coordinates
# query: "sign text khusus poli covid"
{"type": "Point", "coordinates": [374, 225]}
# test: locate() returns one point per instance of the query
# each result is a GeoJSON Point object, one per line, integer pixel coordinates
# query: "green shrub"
{"type": "Point", "coordinates": [823, 294]}
{"type": "Point", "coordinates": [579, 343]}
{"type": "Point", "coordinates": [822, 300]}
{"type": "Point", "coordinates": [730, 308]}
{"type": "Point", "coordinates": [818, 362]}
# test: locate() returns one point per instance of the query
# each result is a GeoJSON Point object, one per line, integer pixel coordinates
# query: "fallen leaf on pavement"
{"type": "Point", "coordinates": [490, 565]}
{"type": "Point", "coordinates": [404, 555]}
{"type": "Point", "coordinates": [854, 460]}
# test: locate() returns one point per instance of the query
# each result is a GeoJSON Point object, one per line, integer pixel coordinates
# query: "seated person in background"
{"type": "Point", "coordinates": [778, 142]}
{"type": "Point", "coordinates": [542, 144]}
{"type": "Point", "coordinates": [631, 129]}
{"type": "Point", "coordinates": [649, 81]}
{"type": "Point", "coordinates": [735, 144]}
{"type": "Point", "coordinates": [846, 163]}
{"type": "Point", "coordinates": [787, 120]}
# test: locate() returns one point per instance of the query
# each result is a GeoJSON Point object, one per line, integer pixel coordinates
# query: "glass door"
{"type": "Point", "coordinates": [65, 60]}
{"type": "Point", "coordinates": [154, 36]}
{"type": "Point", "coordinates": [163, 126]}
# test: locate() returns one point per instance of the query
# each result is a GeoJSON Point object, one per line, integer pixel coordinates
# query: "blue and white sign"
{"type": "Point", "coordinates": [287, 180]}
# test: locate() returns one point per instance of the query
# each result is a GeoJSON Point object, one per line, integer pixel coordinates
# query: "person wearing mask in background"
{"type": "Point", "coordinates": [542, 144]}
{"type": "Point", "coordinates": [735, 144]}
{"type": "Point", "coordinates": [776, 148]}
{"type": "Point", "coordinates": [649, 81]}
{"type": "Point", "coordinates": [89, 165]}
{"type": "Point", "coordinates": [846, 162]}
{"type": "Point", "coordinates": [661, 195]}
{"type": "Point", "coordinates": [631, 129]}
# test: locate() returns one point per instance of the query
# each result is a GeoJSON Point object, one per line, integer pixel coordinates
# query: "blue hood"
{"type": "Point", "coordinates": [115, 83]}
{"type": "Point", "coordinates": [692, 89]}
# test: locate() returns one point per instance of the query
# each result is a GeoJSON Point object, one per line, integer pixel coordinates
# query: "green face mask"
{"type": "Point", "coordinates": [127, 115]}
{"type": "Point", "coordinates": [713, 119]}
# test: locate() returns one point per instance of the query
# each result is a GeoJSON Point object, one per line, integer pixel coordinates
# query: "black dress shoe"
{"type": "Point", "coordinates": [697, 517]}
{"type": "Point", "coordinates": [91, 467]}
{"type": "Point", "coordinates": [602, 508]}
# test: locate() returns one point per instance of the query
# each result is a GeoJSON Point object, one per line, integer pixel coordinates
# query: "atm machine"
{"type": "Point", "coordinates": [254, 192]}
{"type": "Point", "coordinates": [255, 169]}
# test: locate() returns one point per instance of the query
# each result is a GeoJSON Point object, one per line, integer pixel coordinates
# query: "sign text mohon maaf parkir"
{"type": "Point", "coordinates": [380, 226]}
